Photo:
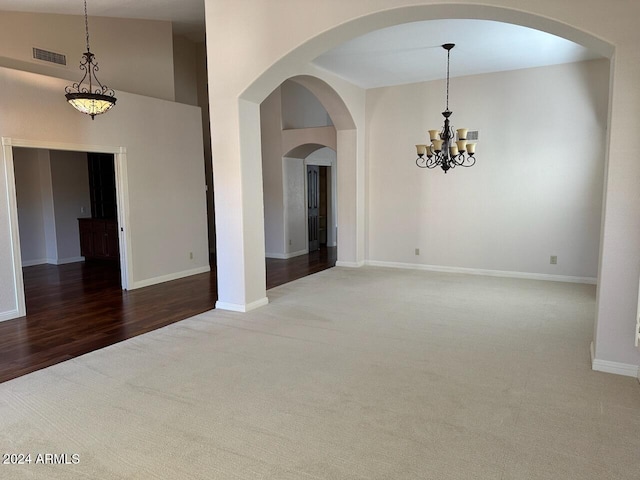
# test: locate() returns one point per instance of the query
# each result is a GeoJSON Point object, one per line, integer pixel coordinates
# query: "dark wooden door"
{"type": "Point", "coordinates": [313, 204]}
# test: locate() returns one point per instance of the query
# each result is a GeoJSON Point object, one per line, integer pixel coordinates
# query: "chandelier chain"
{"type": "Point", "coordinates": [448, 55]}
{"type": "Point", "coordinates": [86, 24]}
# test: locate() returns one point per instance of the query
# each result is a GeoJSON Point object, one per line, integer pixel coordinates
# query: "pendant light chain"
{"type": "Point", "coordinates": [448, 55]}
{"type": "Point", "coordinates": [86, 23]}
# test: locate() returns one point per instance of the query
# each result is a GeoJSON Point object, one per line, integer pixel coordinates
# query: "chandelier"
{"type": "Point", "coordinates": [89, 95]}
{"type": "Point", "coordinates": [445, 151]}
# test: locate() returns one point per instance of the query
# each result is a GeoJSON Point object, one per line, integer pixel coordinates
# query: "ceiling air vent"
{"type": "Point", "coordinates": [472, 135]}
{"type": "Point", "coordinates": [48, 56]}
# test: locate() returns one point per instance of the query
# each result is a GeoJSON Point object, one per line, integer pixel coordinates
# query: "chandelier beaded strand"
{"type": "Point", "coordinates": [94, 98]}
{"type": "Point", "coordinates": [444, 150]}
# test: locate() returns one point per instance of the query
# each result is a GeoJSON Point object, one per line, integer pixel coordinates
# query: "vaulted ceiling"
{"type": "Point", "coordinates": [402, 54]}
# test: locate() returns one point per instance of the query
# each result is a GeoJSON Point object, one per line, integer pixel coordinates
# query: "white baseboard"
{"type": "Point", "coordinates": [350, 264]}
{"type": "Point", "coordinates": [51, 261]}
{"type": "Point", "coordinates": [10, 315]}
{"type": "Point", "coordinates": [64, 261]}
{"type": "Point", "coordinates": [613, 367]}
{"type": "Point", "coordinates": [169, 277]}
{"type": "Point", "coordinates": [31, 263]}
{"type": "Point", "coordinates": [286, 256]}
{"type": "Point", "coordinates": [237, 307]}
{"type": "Point", "coordinates": [490, 273]}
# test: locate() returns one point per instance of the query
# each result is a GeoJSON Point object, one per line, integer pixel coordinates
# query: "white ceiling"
{"type": "Point", "coordinates": [187, 15]}
{"type": "Point", "coordinates": [397, 55]}
{"type": "Point", "coordinates": [413, 52]}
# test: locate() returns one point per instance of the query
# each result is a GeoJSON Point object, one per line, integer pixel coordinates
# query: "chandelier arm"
{"type": "Point", "coordinates": [428, 162]}
{"type": "Point", "coordinates": [77, 86]}
{"type": "Point", "coordinates": [104, 90]}
{"type": "Point", "coordinates": [469, 161]}
{"type": "Point", "coordinates": [464, 161]}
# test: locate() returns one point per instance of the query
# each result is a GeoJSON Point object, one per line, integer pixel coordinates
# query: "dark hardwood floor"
{"type": "Point", "coordinates": [284, 271]}
{"type": "Point", "coordinates": [77, 308]}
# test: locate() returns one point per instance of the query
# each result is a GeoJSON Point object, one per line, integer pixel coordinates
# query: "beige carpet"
{"type": "Point", "coordinates": [364, 373]}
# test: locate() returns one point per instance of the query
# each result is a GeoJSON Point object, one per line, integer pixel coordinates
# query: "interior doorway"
{"type": "Point", "coordinates": [313, 207]}
{"type": "Point", "coordinates": [66, 206]}
{"type": "Point", "coordinates": [113, 240]}
{"type": "Point", "coordinates": [318, 206]}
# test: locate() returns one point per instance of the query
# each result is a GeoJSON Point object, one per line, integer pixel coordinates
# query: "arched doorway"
{"type": "Point", "coordinates": [299, 169]}
{"type": "Point", "coordinates": [292, 56]}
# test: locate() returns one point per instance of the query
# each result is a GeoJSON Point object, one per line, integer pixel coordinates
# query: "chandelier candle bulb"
{"type": "Point", "coordinates": [434, 135]}
{"type": "Point", "coordinates": [453, 150]}
{"type": "Point", "coordinates": [437, 145]}
{"type": "Point", "coordinates": [462, 144]}
{"type": "Point", "coordinates": [422, 149]}
{"type": "Point", "coordinates": [471, 148]}
{"type": "Point", "coordinates": [462, 133]}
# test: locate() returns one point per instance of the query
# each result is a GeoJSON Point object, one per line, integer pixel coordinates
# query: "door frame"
{"type": "Point", "coordinates": [333, 199]}
{"type": "Point", "coordinates": [122, 200]}
{"type": "Point", "coordinates": [308, 206]}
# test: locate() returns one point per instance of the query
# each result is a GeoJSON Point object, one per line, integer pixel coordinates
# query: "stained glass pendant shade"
{"type": "Point", "coordinates": [89, 95]}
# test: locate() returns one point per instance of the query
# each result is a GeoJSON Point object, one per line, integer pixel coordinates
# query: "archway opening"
{"type": "Point", "coordinates": [300, 171]}
{"type": "Point", "coordinates": [298, 59]}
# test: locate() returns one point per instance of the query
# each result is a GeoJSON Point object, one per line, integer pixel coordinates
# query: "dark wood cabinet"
{"type": "Point", "coordinates": [99, 239]}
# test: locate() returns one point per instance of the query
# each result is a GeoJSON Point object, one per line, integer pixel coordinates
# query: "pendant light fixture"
{"type": "Point", "coordinates": [445, 151]}
{"type": "Point", "coordinates": [89, 95]}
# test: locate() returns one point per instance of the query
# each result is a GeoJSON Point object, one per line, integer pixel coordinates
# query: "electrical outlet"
{"type": "Point", "coordinates": [417, 251]}
{"type": "Point", "coordinates": [81, 209]}
{"type": "Point", "coordinates": [553, 260]}
{"type": "Point", "coordinates": [289, 241]}
{"type": "Point", "coordinates": [190, 255]}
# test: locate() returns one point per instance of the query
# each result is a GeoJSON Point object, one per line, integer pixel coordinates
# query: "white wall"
{"type": "Point", "coordinates": [185, 71]}
{"type": "Point", "coordinates": [52, 190]}
{"type": "Point", "coordinates": [71, 200]}
{"type": "Point", "coordinates": [203, 103]}
{"type": "Point", "coordinates": [301, 109]}
{"type": "Point", "coordinates": [30, 208]}
{"type": "Point", "coordinates": [295, 206]}
{"type": "Point", "coordinates": [535, 191]}
{"type": "Point", "coordinates": [48, 209]}
{"type": "Point", "coordinates": [164, 163]}
{"type": "Point", "coordinates": [272, 174]}
{"type": "Point", "coordinates": [134, 55]}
